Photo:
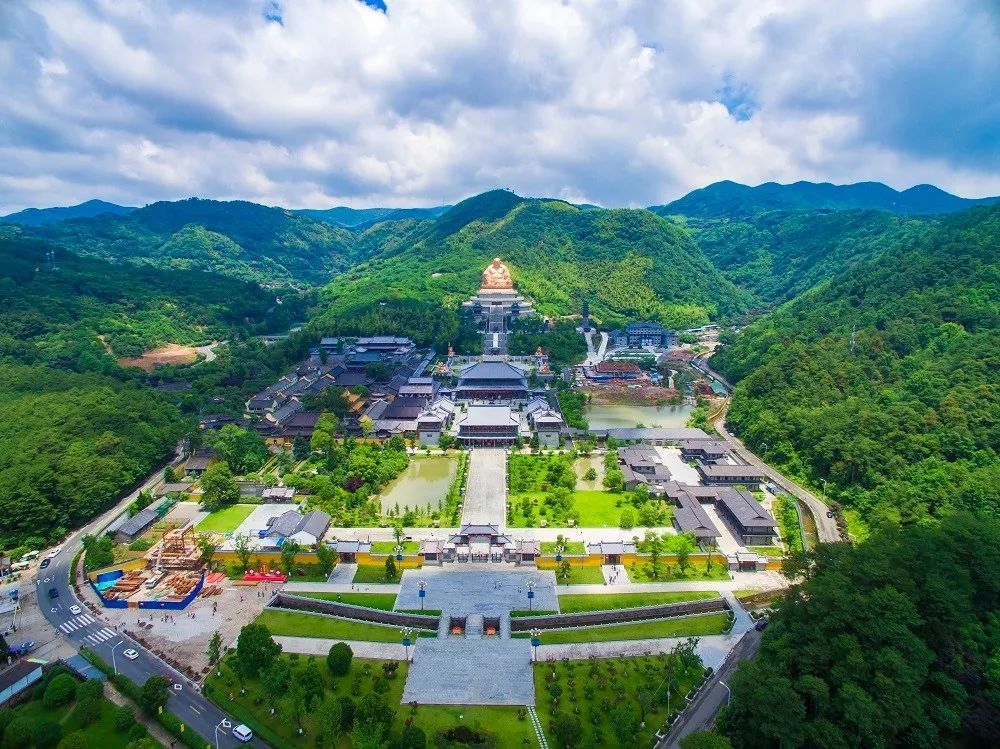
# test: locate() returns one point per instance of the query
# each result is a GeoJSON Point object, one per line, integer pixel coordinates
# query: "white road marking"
{"type": "Point", "coordinates": [86, 619]}
{"type": "Point", "coordinates": [64, 628]}
{"type": "Point", "coordinates": [108, 632]}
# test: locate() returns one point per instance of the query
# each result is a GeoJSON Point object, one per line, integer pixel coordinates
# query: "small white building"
{"type": "Point", "coordinates": [433, 421]}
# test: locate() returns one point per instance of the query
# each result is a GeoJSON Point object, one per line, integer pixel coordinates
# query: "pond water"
{"type": "Point", "coordinates": [424, 483]}
{"type": "Point", "coordinates": [581, 467]}
{"type": "Point", "coordinates": [618, 417]}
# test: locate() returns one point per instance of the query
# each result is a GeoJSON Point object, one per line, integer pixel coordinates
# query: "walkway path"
{"type": "Point", "coordinates": [347, 587]}
{"type": "Point", "coordinates": [342, 574]}
{"type": "Point", "coordinates": [486, 491]}
{"type": "Point", "coordinates": [321, 646]}
{"type": "Point", "coordinates": [741, 581]}
{"type": "Point", "coordinates": [615, 574]}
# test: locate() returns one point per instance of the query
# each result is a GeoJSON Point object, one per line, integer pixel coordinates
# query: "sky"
{"type": "Point", "coordinates": [311, 104]}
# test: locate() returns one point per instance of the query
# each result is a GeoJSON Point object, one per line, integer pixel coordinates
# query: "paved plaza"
{"type": "Point", "coordinates": [492, 589]}
{"type": "Point", "coordinates": [486, 490]}
{"type": "Point", "coordinates": [459, 671]}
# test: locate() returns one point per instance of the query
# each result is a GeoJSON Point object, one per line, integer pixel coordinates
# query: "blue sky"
{"type": "Point", "coordinates": [418, 102]}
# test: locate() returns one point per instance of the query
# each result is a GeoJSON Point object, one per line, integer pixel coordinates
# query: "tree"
{"type": "Point", "coordinates": [214, 651]}
{"type": "Point", "coordinates": [624, 723]}
{"type": "Point", "coordinates": [60, 691]}
{"type": "Point", "coordinates": [705, 740]}
{"type": "Point", "coordinates": [124, 718]}
{"type": "Point", "coordinates": [46, 733]}
{"type": "Point", "coordinates": [683, 546]}
{"type": "Point", "coordinates": [300, 448]}
{"type": "Point", "coordinates": [244, 546]}
{"type": "Point", "coordinates": [368, 736]}
{"type": "Point", "coordinates": [153, 694]}
{"type": "Point", "coordinates": [276, 677]}
{"type": "Point", "coordinates": [328, 719]}
{"type": "Point", "coordinates": [644, 699]}
{"type": "Point", "coordinates": [289, 549]}
{"type": "Point", "coordinates": [614, 479]}
{"type": "Point", "coordinates": [627, 521]}
{"type": "Point", "coordinates": [18, 733]}
{"type": "Point", "coordinates": [397, 532]}
{"type": "Point", "coordinates": [413, 737]}
{"type": "Point", "coordinates": [372, 710]}
{"type": "Point", "coordinates": [255, 649]}
{"type": "Point", "coordinates": [567, 730]}
{"type": "Point", "coordinates": [242, 449]}
{"type": "Point", "coordinates": [590, 475]}
{"type": "Point", "coordinates": [390, 568]}
{"type": "Point", "coordinates": [218, 487]}
{"type": "Point", "coordinates": [446, 441]}
{"type": "Point", "coordinates": [144, 743]}
{"type": "Point", "coordinates": [565, 569]}
{"type": "Point", "coordinates": [312, 683]}
{"type": "Point", "coordinates": [338, 660]}
{"type": "Point", "coordinates": [653, 545]}
{"type": "Point", "coordinates": [367, 425]}
{"type": "Point", "coordinates": [206, 545]}
{"type": "Point", "coordinates": [297, 702]}
{"type": "Point", "coordinates": [75, 740]}
{"type": "Point", "coordinates": [326, 558]}
{"type": "Point", "coordinates": [88, 711]}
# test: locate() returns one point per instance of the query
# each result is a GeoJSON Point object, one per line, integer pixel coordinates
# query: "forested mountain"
{"type": "Point", "coordinates": [238, 239]}
{"type": "Point", "coordinates": [72, 443]}
{"type": "Point", "coordinates": [61, 316]}
{"type": "Point", "coordinates": [363, 218]}
{"type": "Point", "coordinates": [776, 255]}
{"type": "Point", "coordinates": [730, 199]}
{"type": "Point", "coordinates": [628, 263]}
{"type": "Point", "coordinates": [891, 644]}
{"type": "Point", "coordinates": [885, 380]}
{"type": "Point", "coordinates": [44, 216]}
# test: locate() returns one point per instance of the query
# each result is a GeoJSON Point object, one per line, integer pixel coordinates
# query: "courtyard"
{"type": "Point", "coordinates": [487, 589]}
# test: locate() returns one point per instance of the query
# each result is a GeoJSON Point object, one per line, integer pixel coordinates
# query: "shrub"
{"type": "Point", "coordinates": [75, 740]}
{"type": "Point", "coordinates": [90, 689]}
{"type": "Point", "coordinates": [124, 718]}
{"type": "Point", "coordinates": [338, 660]}
{"type": "Point", "coordinates": [46, 734]}
{"type": "Point", "coordinates": [88, 711]}
{"type": "Point", "coordinates": [60, 691]}
{"type": "Point", "coordinates": [17, 735]}
{"type": "Point", "coordinates": [412, 738]}
{"type": "Point", "coordinates": [136, 732]}
{"type": "Point", "coordinates": [346, 713]}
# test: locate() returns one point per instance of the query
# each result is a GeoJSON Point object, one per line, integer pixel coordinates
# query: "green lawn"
{"type": "Point", "coordinates": [597, 509]}
{"type": "Point", "coordinates": [571, 547]}
{"type": "Point", "coordinates": [225, 520]}
{"type": "Point", "coordinates": [298, 624]}
{"type": "Point", "coordinates": [365, 677]}
{"type": "Point", "coordinates": [591, 688]}
{"type": "Point", "coordinates": [581, 575]}
{"type": "Point", "coordinates": [571, 603]}
{"type": "Point", "coordinates": [389, 547]}
{"type": "Point", "coordinates": [525, 612]}
{"type": "Point", "coordinates": [101, 733]}
{"type": "Point", "coordinates": [383, 601]}
{"type": "Point", "coordinates": [643, 573]}
{"type": "Point", "coordinates": [768, 551]}
{"type": "Point", "coordinates": [371, 573]}
{"type": "Point", "coordinates": [684, 626]}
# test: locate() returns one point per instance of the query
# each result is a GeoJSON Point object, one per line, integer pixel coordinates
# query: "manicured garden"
{"type": "Point", "coordinates": [643, 572]}
{"type": "Point", "coordinates": [569, 547]}
{"type": "Point", "coordinates": [389, 547]}
{"type": "Point", "coordinates": [768, 551]}
{"type": "Point", "coordinates": [373, 691]}
{"type": "Point", "coordinates": [65, 707]}
{"type": "Point", "coordinates": [226, 520]}
{"type": "Point", "coordinates": [579, 574]}
{"type": "Point", "coordinates": [613, 702]}
{"type": "Point", "coordinates": [299, 624]}
{"type": "Point", "coordinates": [571, 603]}
{"type": "Point", "coordinates": [376, 574]}
{"type": "Point", "coordinates": [683, 626]}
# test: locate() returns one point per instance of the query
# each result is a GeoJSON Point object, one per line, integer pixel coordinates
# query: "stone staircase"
{"type": "Point", "coordinates": [474, 626]}
{"type": "Point", "coordinates": [443, 625]}
{"type": "Point", "coordinates": [504, 626]}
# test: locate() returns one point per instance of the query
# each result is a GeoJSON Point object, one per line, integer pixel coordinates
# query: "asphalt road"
{"type": "Point", "coordinates": [700, 715]}
{"type": "Point", "coordinates": [86, 629]}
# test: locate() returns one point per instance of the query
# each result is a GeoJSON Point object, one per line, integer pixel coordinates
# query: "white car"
{"type": "Point", "coordinates": [131, 654]}
{"type": "Point", "coordinates": [74, 609]}
{"type": "Point", "coordinates": [243, 733]}
{"type": "Point", "coordinates": [55, 552]}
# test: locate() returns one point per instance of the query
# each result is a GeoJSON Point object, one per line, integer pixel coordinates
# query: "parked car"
{"type": "Point", "coordinates": [45, 563]}
{"type": "Point", "coordinates": [829, 513]}
{"type": "Point", "coordinates": [761, 624]}
{"type": "Point", "coordinates": [22, 648]}
{"type": "Point", "coordinates": [243, 733]}
{"type": "Point", "coordinates": [53, 593]}
{"type": "Point", "coordinates": [130, 653]}
{"type": "Point", "coordinates": [74, 609]}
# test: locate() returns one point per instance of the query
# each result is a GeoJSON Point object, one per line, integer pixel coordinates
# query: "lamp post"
{"type": "Point", "coordinates": [729, 693]}
{"type": "Point", "coordinates": [423, 592]}
{"type": "Point", "coordinates": [536, 641]}
{"type": "Point", "coordinates": [406, 632]}
{"type": "Point", "coordinates": [399, 552]}
{"type": "Point", "coordinates": [114, 663]}
{"type": "Point", "coordinates": [531, 592]}
{"type": "Point", "coordinates": [824, 489]}
{"type": "Point", "coordinates": [224, 723]}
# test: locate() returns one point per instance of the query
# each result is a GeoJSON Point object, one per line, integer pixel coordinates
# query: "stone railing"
{"type": "Point", "coordinates": [618, 616]}
{"type": "Point", "coordinates": [349, 611]}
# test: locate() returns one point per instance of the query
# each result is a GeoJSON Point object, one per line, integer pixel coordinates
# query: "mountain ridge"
{"type": "Point", "coordinates": [45, 216]}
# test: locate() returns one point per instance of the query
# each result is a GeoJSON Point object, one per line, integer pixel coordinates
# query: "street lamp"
{"type": "Point", "coordinates": [224, 723]}
{"type": "Point", "coordinates": [536, 641]}
{"type": "Point", "coordinates": [114, 663]}
{"type": "Point", "coordinates": [824, 489]}
{"type": "Point", "coordinates": [531, 592]}
{"type": "Point", "coordinates": [406, 632]}
{"type": "Point", "coordinates": [729, 693]}
{"type": "Point", "coordinates": [423, 592]}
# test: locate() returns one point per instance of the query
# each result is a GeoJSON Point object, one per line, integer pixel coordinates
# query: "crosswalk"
{"type": "Point", "coordinates": [94, 637]}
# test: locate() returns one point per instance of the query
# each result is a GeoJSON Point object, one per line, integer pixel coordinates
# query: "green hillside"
{"type": "Point", "coordinates": [43, 216]}
{"type": "Point", "coordinates": [57, 316]}
{"type": "Point", "coordinates": [243, 240]}
{"type": "Point", "coordinates": [776, 255]}
{"type": "Point", "coordinates": [628, 263]}
{"type": "Point", "coordinates": [906, 423]}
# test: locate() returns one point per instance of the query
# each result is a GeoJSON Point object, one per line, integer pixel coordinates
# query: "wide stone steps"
{"type": "Point", "coordinates": [474, 626]}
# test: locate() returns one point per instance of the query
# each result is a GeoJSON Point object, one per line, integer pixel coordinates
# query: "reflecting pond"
{"type": "Point", "coordinates": [617, 417]}
{"type": "Point", "coordinates": [424, 483]}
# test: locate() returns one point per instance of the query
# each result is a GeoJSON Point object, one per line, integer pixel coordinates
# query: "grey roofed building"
{"type": "Point", "coordinates": [642, 464]}
{"type": "Point", "coordinates": [281, 415]}
{"type": "Point", "coordinates": [285, 524]}
{"type": "Point", "coordinates": [727, 473]}
{"type": "Point", "coordinates": [136, 525]}
{"type": "Point", "coordinates": [710, 449]}
{"type": "Point", "coordinates": [352, 379]}
{"type": "Point", "coordinates": [314, 524]}
{"type": "Point", "coordinates": [278, 494]}
{"type": "Point", "coordinates": [348, 546]}
{"type": "Point", "coordinates": [656, 435]}
{"type": "Point", "coordinates": [199, 461]}
{"type": "Point", "coordinates": [171, 487]}
{"type": "Point", "coordinates": [690, 517]}
{"type": "Point", "coordinates": [753, 523]}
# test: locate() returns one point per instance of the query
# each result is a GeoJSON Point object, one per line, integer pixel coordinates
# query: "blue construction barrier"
{"type": "Point", "coordinates": [158, 605]}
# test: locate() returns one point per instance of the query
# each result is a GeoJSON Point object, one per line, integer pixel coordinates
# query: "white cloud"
{"type": "Point", "coordinates": [626, 103]}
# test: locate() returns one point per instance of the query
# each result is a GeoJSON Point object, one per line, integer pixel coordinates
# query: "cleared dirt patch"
{"type": "Point", "coordinates": [169, 354]}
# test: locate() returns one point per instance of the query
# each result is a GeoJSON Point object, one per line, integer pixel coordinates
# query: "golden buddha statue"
{"type": "Point", "coordinates": [496, 276]}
